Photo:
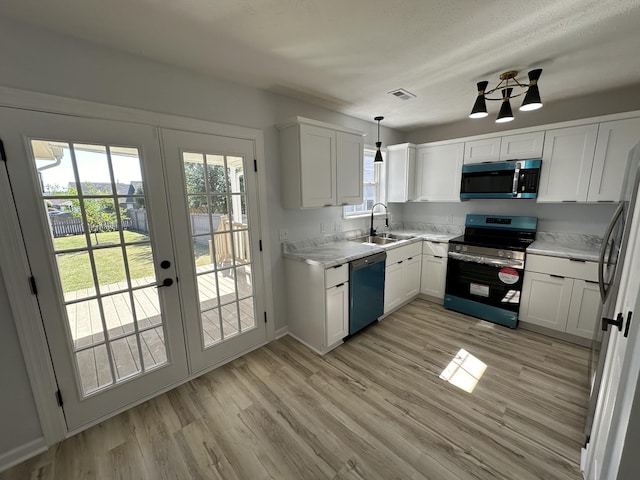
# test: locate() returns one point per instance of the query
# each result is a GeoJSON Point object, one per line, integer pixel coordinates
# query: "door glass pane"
{"type": "Point", "coordinates": [126, 356]}
{"type": "Point", "coordinates": [220, 231]}
{"type": "Point", "coordinates": [95, 203]}
{"type": "Point", "coordinates": [154, 352]}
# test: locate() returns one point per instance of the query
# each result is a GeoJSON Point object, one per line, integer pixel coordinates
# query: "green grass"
{"type": "Point", "coordinates": [75, 268]}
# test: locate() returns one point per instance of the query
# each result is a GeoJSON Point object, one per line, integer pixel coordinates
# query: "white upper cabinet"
{"type": "Point", "coordinates": [615, 139]}
{"type": "Point", "coordinates": [401, 166]}
{"type": "Point", "coordinates": [567, 159]}
{"type": "Point", "coordinates": [439, 170]}
{"type": "Point", "coordinates": [321, 165]}
{"type": "Point", "coordinates": [485, 150]}
{"type": "Point", "coordinates": [317, 166]}
{"type": "Point", "coordinates": [511, 147]}
{"type": "Point", "coordinates": [349, 159]}
{"type": "Point", "coordinates": [522, 147]}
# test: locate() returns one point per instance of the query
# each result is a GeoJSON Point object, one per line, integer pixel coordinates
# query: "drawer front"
{"type": "Point", "coordinates": [336, 275]}
{"type": "Point", "coordinates": [436, 249]}
{"type": "Point", "coordinates": [563, 267]}
{"type": "Point", "coordinates": [394, 255]}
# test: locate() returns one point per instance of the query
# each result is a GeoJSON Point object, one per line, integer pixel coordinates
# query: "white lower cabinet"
{"type": "Point", "coordinates": [546, 300]}
{"type": "Point", "coordinates": [337, 300]}
{"type": "Point", "coordinates": [434, 269]}
{"type": "Point", "coordinates": [561, 295]}
{"type": "Point", "coordinates": [317, 304]}
{"type": "Point", "coordinates": [402, 275]}
{"type": "Point", "coordinates": [585, 302]}
{"type": "Point", "coordinates": [434, 273]}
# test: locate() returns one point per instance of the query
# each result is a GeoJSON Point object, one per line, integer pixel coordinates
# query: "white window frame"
{"type": "Point", "coordinates": [380, 174]}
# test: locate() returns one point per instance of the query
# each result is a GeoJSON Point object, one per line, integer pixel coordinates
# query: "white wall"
{"type": "Point", "coordinates": [19, 422]}
{"type": "Point", "coordinates": [587, 219]}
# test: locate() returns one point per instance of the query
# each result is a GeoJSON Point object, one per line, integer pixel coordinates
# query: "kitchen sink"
{"type": "Point", "coordinates": [378, 240]}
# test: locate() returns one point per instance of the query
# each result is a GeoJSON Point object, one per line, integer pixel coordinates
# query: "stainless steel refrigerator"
{"type": "Point", "coordinates": [612, 256]}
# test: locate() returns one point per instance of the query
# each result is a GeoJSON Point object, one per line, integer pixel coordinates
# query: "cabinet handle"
{"type": "Point", "coordinates": [410, 258]}
{"type": "Point", "coordinates": [577, 260]}
{"type": "Point", "coordinates": [569, 201]}
{"type": "Point", "coordinates": [340, 285]}
{"type": "Point", "coordinates": [337, 266]}
{"type": "Point", "coordinates": [400, 262]}
{"type": "Point", "coordinates": [605, 201]}
{"type": "Point", "coordinates": [328, 205]}
{"type": "Point", "coordinates": [591, 281]}
{"type": "Point", "coordinates": [556, 276]}
{"type": "Point", "coordinates": [437, 256]}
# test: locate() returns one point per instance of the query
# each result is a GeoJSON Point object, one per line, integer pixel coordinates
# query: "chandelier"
{"type": "Point", "coordinates": [508, 83]}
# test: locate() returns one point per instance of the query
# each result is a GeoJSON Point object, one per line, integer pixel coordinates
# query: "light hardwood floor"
{"type": "Point", "coordinates": [373, 408]}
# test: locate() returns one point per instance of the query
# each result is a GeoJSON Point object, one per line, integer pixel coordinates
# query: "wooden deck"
{"type": "Point", "coordinates": [222, 317]}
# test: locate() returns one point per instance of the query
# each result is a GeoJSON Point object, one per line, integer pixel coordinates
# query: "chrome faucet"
{"type": "Point", "coordinates": [372, 231]}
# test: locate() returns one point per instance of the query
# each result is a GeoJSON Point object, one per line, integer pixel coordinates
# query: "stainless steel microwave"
{"type": "Point", "coordinates": [511, 179]}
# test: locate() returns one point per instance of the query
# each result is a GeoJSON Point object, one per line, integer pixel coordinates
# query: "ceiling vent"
{"type": "Point", "coordinates": [402, 94]}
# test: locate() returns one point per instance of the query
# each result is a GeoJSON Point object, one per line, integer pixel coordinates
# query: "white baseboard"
{"type": "Point", "coordinates": [22, 453]}
{"type": "Point", "coordinates": [281, 332]}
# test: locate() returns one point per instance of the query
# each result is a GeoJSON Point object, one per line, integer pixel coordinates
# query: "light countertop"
{"type": "Point", "coordinates": [332, 250]}
{"type": "Point", "coordinates": [567, 245]}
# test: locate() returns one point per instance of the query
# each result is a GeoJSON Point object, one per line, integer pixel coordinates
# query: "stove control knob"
{"type": "Point", "coordinates": [458, 248]}
{"type": "Point", "coordinates": [464, 248]}
{"type": "Point", "coordinates": [500, 253]}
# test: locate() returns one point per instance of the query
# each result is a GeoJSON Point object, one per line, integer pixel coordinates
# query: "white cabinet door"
{"type": "Point", "coordinates": [434, 273]}
{"type": "Point", "coordinates": [411, 277]}
{"type": "Point", "coordinates": [583, 311]}
{"type": "Point", "coordinates": [545, 300]}
{"type": "Point", "coordinates": [349, 159]}
{"type": "Point", "coordinates": [522, 147]}
{"type": "Point", "coordinates": [566, 164]}
{"type": "Point", "coordinates": [317, 166]}
{"type": "Point", "coordinates": [337, 313]}
{"type": "Point", "coordinates": [392, 287]}
{"type": "Point", "coordinates": [485, 150]}
{"type": "Point", "coordinates": [401, 161]}
{"type": "Point", "coordinates": [439, 172]}
{"type": "Point", "coordinates": [615, 139]}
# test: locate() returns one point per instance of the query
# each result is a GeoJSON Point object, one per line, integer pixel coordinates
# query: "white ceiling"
{"type": "Point", "coordinates": [347, 54]}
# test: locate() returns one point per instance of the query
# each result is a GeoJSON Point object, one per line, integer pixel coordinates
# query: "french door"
{"type": "Point", "coordinates": [132, 287]}
{"type": "Point", "coordinates": [213, 190]}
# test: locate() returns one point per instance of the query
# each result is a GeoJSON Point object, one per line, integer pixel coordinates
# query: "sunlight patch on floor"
{"type": "Point", "coordinates": [464, 371]}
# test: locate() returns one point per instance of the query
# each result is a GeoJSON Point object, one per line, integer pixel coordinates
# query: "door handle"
{"type": "Point", "coordinates": [617, 322]}
{"type": "Point", "coordinates": [626, 327]}
{"type": "Point", "coordinates": [167, 282]}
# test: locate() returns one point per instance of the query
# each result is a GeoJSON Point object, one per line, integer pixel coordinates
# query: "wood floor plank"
{"type": "Point", "coordinates": [374, 408]}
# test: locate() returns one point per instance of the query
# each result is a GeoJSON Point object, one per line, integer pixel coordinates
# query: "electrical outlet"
{"type": "Point", "coordinates": [337, 227]}
{"type": "Point", "coordinates": [323, 227]}
{"type": "Point", "coordinates": [283, 233]}
{"type": "Point", "coordinates": [450, 219]}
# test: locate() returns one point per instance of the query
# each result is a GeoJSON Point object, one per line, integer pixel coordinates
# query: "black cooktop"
{"type": "Point", "coordinates": [517, 241]}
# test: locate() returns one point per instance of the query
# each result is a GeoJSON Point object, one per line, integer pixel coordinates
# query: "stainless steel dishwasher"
{"type": "Point", "coordinates": [366, 291]}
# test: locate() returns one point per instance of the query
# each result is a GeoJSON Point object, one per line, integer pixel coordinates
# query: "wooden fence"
{"type": "Point", "coordinates": [62, 226]}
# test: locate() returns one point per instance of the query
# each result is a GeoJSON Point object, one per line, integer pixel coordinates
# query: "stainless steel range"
{"type": "Point", "coordinates": [485, 267]}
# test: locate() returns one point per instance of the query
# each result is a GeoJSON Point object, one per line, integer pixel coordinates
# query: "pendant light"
{"type": "Point", "coordinates": [507, 86]}
{"type": "Point", "coordinates": [505, 114]}
{"type": "Point", "coordinates": [378, 158]}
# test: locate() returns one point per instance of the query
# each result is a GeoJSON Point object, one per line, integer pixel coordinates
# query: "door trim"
{"type": "Point", "coordinates": [13, 257]}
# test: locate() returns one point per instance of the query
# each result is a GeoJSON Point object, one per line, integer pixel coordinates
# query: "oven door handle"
{"type": "Point", "coordinates": [484, 260]}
